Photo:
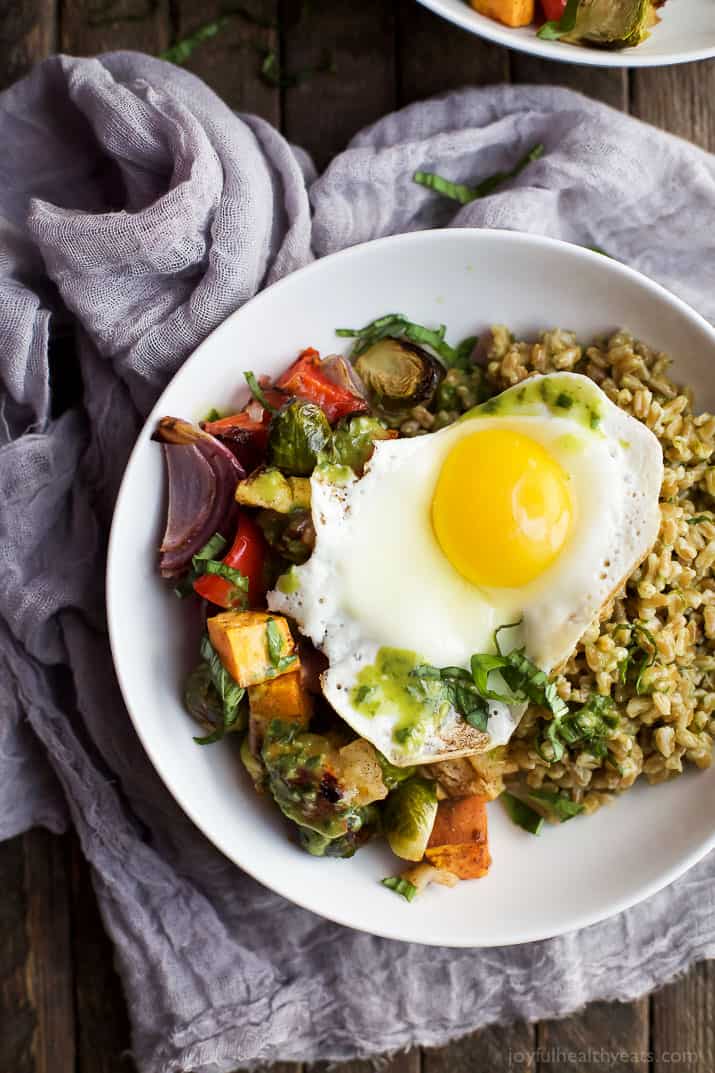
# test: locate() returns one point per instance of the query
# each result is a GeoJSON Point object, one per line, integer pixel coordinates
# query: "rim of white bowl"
{"type": "Point", "coordinates": [402, 934]}
{"type": "Point", "coordinates": [552, 50]}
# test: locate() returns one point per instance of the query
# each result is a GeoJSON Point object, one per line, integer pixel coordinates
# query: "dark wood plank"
{"type": "Point", "coordinates": [102, 1023]}
{"type": "Point", "coordinates": [680, 99]}
{"type": "Point", "coordinates": [49, 964]}
{"type": "Point", "coordinates": [325, 111]}
{"type": "Point", "coordinates": [606, 1035]}
{"type": "Point", "coordinates": [434, 56]}
{"type": "Point", "coordinates": [91, 26]}
{"type": "Point", "coordinates": [683, 1023]}
{"type": "Point", "coordinates": [28, 32]}
{"type": "Point", "coordinates": [409, 1062]}
{"type": "Point", "coordinates": [231, 61]}
{"type": "Point", "coordinates": [17, 1012]}
{"type": "Point", "coordinates": [493, 1050]}
{"type": "Point", "coordinates": [609, 85]}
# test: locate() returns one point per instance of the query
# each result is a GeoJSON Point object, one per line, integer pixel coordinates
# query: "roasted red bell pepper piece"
{"type": "Point", "coordinates": [247, 554]}
{"type": "Point", "coordinates": [306, 380]}
{"type": "Point", "coordinates": [248, 430]}
{"type": "Point", "coordinates": [553, 9]}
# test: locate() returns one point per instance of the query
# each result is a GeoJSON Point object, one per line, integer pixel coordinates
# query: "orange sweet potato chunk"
{"type": "Point", "coordinates": [510, 12]}
{"type": "Point", "coordinates": [459, 842]}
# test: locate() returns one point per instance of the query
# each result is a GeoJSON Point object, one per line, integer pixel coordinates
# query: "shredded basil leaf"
{"type": "Point", "coordinates": [182, 50]}
{"type": "Point", "coordinates": [456, 674]}
{"type": "Point", "coordinates": [477, 717]}
{"type": "Point", "coordinates": [499, 629]}
{"type": "Point", "coordinates": [274, 641]}
{"type": "Point", "coordinates": [521, 814]}
{"type": "Point", "coordinates": [482, 666]}
{"type": "Point", "coordinates": [455, 191]}
{"type": "Point", "coordinates": [465, 194]}
{"type": "Point", "coordinates": [212, 415]}
{"type": "Point", "coordinates": [463, 353]}
{"type": "Point", "coordinates": [398, 326]}
{"type": "Point", "coordinates": [273, 74]}
{"type": "Point", "coordinates": [459, 690]}
{"type": "Point", "coordinates": [589, 726]}
{"type": "Point", "coordinates": [213, 737]}
{"type": "Point", "coordinates": [275, 644]}
{"type": "Point", "coordinates": [237, 594]}
{"type": "Point", "coordinates": [563, 808]}
{"type": "Point", "coordinates": [205, 562]}
{"type": "Point", "coordinates": [212, 548]}
{"type": "Point", "coordinates": [401, 886]}
{"type": "Point", "coordinates": [258, 393]}
{"type": "Point", "coordinates": [528, 681]}
{"type": "Point", "coordinates": [230, 693]}
{"type": "Point", "coordinates": [468, 693]}
{"type": "Point", "coordinates": [424, 670]}
{"type": "Point", "coordinates": [649, 651]}
{"type": "Point", "coordinates": [556, 28]}
{"type": "Point", "coordinates": [707, 516]}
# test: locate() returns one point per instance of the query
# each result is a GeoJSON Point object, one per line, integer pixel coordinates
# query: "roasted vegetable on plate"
{"type": "Point", "coordinates": [610, 24]}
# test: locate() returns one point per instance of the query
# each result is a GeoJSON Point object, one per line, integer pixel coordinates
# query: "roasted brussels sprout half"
{"type": "Point", "coordinates": [353, 441]}
{"type": "Point", "coordinates": [612, 23]}
{"type": "Point", "coordinates": [346, 845]}
{"type": "Point", "coordinates": [409, 817]}
{"type": "Point", "coordinates": [398, 376]}
{"type": "Point", "coordinates": [254, 767]}
{"type": "Point", "coordinates": [304, 777]}
{"type": "Point", "coordinates": [298, 433]}
{"type": "Point", "coordinates": [202, 701]}
{"type": "Point", "coordinates": [291, 535]}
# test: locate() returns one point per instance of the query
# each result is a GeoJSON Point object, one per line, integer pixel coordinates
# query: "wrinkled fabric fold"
{"type": "Point", "coordinates": [136, 212]}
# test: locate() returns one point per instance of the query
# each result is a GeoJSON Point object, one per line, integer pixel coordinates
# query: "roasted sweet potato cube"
{"type": "Point", "coordinates": [459, 841]}
{"type": "Point", "coordinates": [283, 698]}
{"type": "Point", "coordinates": [510, 12]}
{"type": "Point", "coordinates": [241, 641]}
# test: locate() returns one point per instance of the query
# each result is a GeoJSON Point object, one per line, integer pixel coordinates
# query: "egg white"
{"type": "Point", "coordinates": [378, 577]}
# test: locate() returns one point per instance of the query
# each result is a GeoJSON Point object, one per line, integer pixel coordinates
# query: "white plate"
{"type": "Point", "coordinates": [570, 876]}
{"type": "Point", "coordinates": [686, 32]}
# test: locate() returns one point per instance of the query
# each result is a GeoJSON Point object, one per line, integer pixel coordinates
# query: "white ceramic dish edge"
{"type": "Point", "coordinates": [405, 925]}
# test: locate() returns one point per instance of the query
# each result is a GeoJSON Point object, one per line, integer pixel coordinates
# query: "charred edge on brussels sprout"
{"type": "Point", "coordinates": [398, 376]}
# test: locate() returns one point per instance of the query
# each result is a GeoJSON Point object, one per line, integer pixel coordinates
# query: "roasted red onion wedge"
{"type": "Point", "coordinates": [203, 474]}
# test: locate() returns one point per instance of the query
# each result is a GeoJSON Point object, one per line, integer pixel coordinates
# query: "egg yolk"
{"type": "Point", "coordinates": [501, 510]}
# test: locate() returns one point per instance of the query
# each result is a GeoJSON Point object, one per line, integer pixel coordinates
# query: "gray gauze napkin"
{"type": "Point", "coordinates": [136, 212]}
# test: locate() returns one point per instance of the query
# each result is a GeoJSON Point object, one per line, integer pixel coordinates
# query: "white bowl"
{"type": "Point", "coordinates": [686, 32]}
{"type": "Point", "coordinates": [537, 887]}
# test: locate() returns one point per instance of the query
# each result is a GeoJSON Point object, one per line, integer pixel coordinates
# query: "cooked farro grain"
{"type": "Point", "coordinates": [665, 697]}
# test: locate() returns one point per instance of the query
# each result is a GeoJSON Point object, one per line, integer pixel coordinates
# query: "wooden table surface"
{"type": "Point", "coordinates": [61, 1005]}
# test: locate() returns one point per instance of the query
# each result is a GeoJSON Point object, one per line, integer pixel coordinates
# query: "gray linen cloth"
{"type": "Point", "coordinates": [137, 211]}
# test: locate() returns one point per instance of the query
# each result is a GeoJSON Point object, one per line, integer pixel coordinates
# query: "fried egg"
{"type": "Point", "coordinates": [532, 509]}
